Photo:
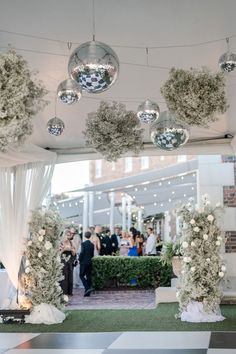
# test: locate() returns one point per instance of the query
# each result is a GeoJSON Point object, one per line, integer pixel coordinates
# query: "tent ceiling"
{"type": "Point", "coordinates": [128, 23]}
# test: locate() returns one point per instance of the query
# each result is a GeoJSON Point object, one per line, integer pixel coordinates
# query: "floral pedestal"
{"type": "Point", "coordinates": [196, 313]}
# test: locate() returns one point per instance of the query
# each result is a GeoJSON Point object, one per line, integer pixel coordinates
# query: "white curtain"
{"type": "Point", "coordinates": [22, 189]}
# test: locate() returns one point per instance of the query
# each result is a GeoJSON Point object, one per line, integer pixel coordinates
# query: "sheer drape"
{"type": "Point", "coordinates": [22, 189]}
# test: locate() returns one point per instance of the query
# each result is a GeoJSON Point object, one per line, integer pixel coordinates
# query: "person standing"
{"type": "Point", "coordinates": [85, 259]}
{"type": "Point", "coordinates": [68, 253]}
{"type": "Point", "coordinates": [150, 248]}
{"type": "Point", "coordinates": [116, 238]}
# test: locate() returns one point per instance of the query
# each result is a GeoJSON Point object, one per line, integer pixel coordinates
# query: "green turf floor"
{"type": "Point", "coordinates": [160, 319]}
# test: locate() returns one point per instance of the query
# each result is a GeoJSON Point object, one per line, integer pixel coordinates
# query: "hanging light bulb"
{"type": "Point", "coordinates": [69, 91]}
{"type": "Point", "coordinates": [168, 133]}
{"type": "Point", "coordinates": [148, 111]}
{"type": "Point", "coordinates": [227, 61]}
{"type": "Point", "coordinates": [94, 65]}
{"type": "Point", "coordinates": [55, 126]}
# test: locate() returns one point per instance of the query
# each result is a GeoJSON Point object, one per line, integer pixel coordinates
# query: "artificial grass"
{"type": "Point", "coordinates": [160, 319]}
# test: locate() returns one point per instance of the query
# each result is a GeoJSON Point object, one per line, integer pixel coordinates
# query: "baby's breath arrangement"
{"type": "Point", "coordinates": [195, 96]}
{"type": "Point", "coordinates": [20, 99]}
{"type": "Point", "coordinates": [113, 131]}
{"type": "Point", "coordinates": [202, 267]}
{"type": "Point", "coordinates": [43, 271]}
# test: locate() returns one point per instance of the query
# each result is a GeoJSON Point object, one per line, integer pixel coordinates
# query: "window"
{"type": "Point", "coordinates": [98, 168]}
{"type": "Point", "coordinates": [128, 164]}
{"type": "Point", "coordinates": [144, 162]}
{"type": "Point", "coordinates": [182, 158]}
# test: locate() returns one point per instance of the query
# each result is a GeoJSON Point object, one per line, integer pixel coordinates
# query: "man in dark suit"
{"type": "Point", "coordinates": [85, 259]}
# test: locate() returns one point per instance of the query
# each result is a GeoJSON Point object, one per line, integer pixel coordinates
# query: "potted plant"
{"type": "Point", "coordinates": [171, 255]}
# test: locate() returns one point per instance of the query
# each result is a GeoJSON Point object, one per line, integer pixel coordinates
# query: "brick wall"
{"type": "Point", "coordinates": [229, 196]}
{"type": "Point", "coordinates": [230, 245]}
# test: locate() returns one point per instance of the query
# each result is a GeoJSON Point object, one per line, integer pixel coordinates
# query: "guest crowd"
{"type": "Point", "coordinates": [100, 242]}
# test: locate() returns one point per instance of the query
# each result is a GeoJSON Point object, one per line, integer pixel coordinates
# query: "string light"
{"type": "Point", "coordinates": [145, 188]}
{"type": "Point", "coordinates": [154, 195]}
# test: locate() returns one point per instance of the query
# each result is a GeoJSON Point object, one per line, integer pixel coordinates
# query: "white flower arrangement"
{"type": "Point", "coordinates": [199, 281]}
{"type": "Point", "coordinates": [48, 245]}
{"type": "Point", "coordinates": [20, 99]}
{"type": "Point", "coordinates": [195, 96]}
{"type": "Point", "coordinates": [45, 266]}
{"type": "Point", "coordinates": [113, 131]}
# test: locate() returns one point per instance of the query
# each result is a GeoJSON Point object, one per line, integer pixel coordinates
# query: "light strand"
{"type": "Point", "coordinates": [189, 45]}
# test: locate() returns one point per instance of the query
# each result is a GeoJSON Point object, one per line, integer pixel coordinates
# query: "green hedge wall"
{"type": "Point", "coordinates": [118, 271]}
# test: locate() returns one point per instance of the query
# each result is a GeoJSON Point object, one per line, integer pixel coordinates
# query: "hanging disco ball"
{"type": "Point", "coordinates": [168, 133]}
{"type": "Point", "coordinates": [148, 111]}
{"type": "Point", "coordinates": [94, 65]}
{"type": "Point", "coordinates": [55, 126]}
{"type": "Point", "coordinates": [69, 91]}
{"type": "Point", "coordinates": [227, 62]}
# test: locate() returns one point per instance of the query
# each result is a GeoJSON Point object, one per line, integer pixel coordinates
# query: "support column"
{"type": "Point", "coordinates": [167, 227]}
{"type": "Point", "coordinates": [123, 213]}
{"type": "Point", "coordinates": [129, 210]}
{"type": "Point", "coordinates": [85, 213]}
{"type": "Point", "coordinates": [91, 208]}
{"type": "Point", "coordinates": [112, 211]}
{"type": "Point", "coordinates": [140, 225]}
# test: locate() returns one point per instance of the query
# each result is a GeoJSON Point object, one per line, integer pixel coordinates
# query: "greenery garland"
{"type": "Point", "coordinates": [195, 96]}
{"type": "Point", "coordinates": [113, 131]}
{"type": "Point", "coordinates": [20, 99]}
{"type": "Point", "coordinates": [202, 268]}
{"type": "Point", "coordinates": [43, 271]}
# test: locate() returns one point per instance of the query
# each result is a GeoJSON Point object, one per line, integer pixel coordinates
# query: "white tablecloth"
{"type": "Point", "coordinates": [7, 290]}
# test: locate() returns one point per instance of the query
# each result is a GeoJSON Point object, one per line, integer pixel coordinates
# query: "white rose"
{"type": "Point", "coordinates": [29, 243]}
{"type": "Point", "coordinates": [65, 297]}
{"type": "Point", "coordinates": [40, 254]}
{"type": "Point", "coordinates": [205, 237]}
{"type": "Point", "coordinates": [221, 274]}
{"type": "Point", "coordinates": [219, 238]}
{"type": "Point", "coordinates": [218, 205]}
{"type": "Point", "coordinates": [40, 238]}
{"type": "Point", "coordinates": [196, 229]}
{"type": "Point", "coordinates": [192, 269]}
{"type": "Point", "coordinates": [192, 221]}
{"type": "Point", "coordinates": [182, 272]}
{"type": "Point", "coordinates": [223, 268]}
{"type": "Point", "coordinates": [189, 259]}
{"type": "Point", "coordinates": [208, 260]}
{"type": "Point", "coordinates": [217, 243]}
{"type": "Point", "coordinates": [27, 270]}
{"type": "Point", "coordinates": [185, 259]}
{"type": "Point", "coordinates": [208, 203]}
{"type": "Point", "coordinates": [193, 244]}
{"type": "Point", "coordinates": [42, 232]}
{"type": "Point", "coordinates": [177, 294]}
{"type": "Point", "coordinates": [185, 244]}
{"type": "Point", "coordinates": [27, 263]}
{"type": "Point", "coordinates": [48, 245]}
{"type": "Point", "coordinates": [210, 218]}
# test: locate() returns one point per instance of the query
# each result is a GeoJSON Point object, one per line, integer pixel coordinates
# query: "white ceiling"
{"type": "Point", "coordinates": [142, 23]}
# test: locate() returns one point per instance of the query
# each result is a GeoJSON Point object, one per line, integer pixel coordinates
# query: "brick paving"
{"type": "Point", "coordinates": [112, 299]}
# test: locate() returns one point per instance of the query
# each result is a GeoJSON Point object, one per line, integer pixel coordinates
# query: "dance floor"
{"type": "Point", "coordinates": [116, 343]}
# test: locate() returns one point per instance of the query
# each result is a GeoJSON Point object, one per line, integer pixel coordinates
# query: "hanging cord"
{"type": "Point", "coordinates": [93, 12]}
{"type": "Point", "coordinates": [147, 58]}
{"type": "Point", "coordinates": [227, 41]}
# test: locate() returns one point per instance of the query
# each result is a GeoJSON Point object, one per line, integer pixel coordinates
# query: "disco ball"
{"type": "Point", "coordinates": [55, 126]}
{"type": "Point", "coordinates": [148, 111]}
{"type": "Point", "coordinates": [227, 62]}
{"type": "Point", "coordinates": [168, 133]}
{"type": "Point", "coordinates": [69, 91]}
{"type": "Point", "coordinates": [94, 65]}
